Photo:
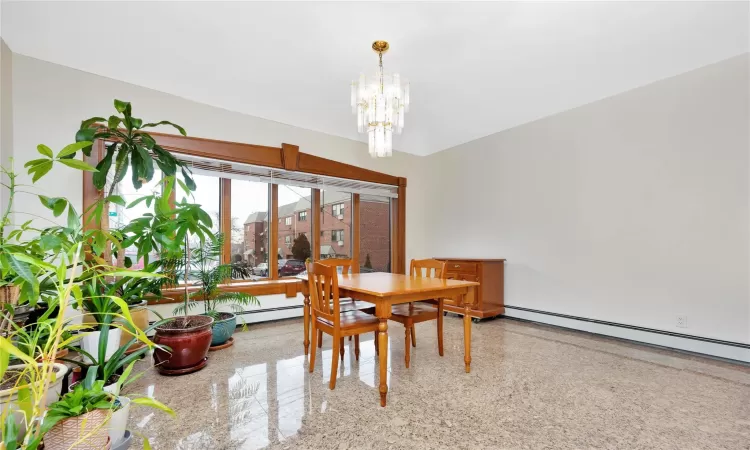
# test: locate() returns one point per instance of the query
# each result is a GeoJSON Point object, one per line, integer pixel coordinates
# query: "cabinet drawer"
{"type": "Point", "coordinates": [458, 266]}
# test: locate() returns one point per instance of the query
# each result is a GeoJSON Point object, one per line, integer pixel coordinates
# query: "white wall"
{"type": "Point", "coordinates": [632, 209]}
{"type": "Point", "coordinates": [6, 113]}
{"type": "Point", "coordinates": [51, 100]}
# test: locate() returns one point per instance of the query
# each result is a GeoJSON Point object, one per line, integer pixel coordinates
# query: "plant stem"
{"type": "Point", "coordinates": [12, 190]}
{"type": "Point", "coordinates": [187, 263]}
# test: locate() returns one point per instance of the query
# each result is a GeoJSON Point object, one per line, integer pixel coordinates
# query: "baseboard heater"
{"type": "Point", "coordinates": [634, 327]}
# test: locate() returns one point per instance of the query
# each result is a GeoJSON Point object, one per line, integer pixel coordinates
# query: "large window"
{"type": "Point", "coordinates": [336, 219]}
{"type": "Point", "coordinates": [294, 244]}
{"type": "Point", "coordinates": [238, 184]}
{"type": "Point", "coordinates": [374, 234]}
{"type": "Point", "coordinates": [250, 233]}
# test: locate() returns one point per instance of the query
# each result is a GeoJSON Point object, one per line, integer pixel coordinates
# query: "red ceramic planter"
{"type": "Point", "coordinates": [189, 345]}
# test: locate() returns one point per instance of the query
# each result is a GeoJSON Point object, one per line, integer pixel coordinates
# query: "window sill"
{"type": "Point", "coordinates": [288, 286]}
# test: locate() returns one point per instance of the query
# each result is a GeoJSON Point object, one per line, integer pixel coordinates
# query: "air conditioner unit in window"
{"type": "Point", "coordinates": [341, 243]}
{"type": "Point", "coordinates": [340, 217]}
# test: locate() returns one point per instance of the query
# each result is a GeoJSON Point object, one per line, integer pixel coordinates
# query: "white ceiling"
{"type": "Point", "coordinates": [475, 68]}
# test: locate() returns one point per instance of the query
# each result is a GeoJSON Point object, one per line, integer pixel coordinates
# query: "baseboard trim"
{"type": "Point", "coordinates": [697, 344]}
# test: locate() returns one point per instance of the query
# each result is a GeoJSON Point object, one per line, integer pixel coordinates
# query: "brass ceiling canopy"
{"type": "Point", "coordinates": [380, 46]}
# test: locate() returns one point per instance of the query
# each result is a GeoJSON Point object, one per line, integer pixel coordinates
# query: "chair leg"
{"type": "Point", "coordinates": [413, 336]}
{"type": "Point", "coordinates": [356, 347]}
{"type": "Point", "coordinates": [377, 347]}
{"type": "Point", "coordinates": [440, 327]}
{"type": "Point", "coordinates": [313, 347]}
{"type": "Point", "coordinates": [334, 363]}
{"type": "Point", "coordinates": [407, 347]}
{"type": "Point", "coordinates": [341, 348]}
{"type": "Point", "coordinates": [320, 339]}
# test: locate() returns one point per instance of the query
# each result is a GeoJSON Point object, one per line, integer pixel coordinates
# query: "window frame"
{"type": "Point", "coordinates": [302, 216]}
{"type": "Point", "coordinates": [287, 157]}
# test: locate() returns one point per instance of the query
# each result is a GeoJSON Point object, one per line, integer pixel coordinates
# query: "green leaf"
{"type": "Point", "coordinates": [40, 170]}
{"type": "Point", "coordinates": [153, 403]}
{"type": "Point", "coordinates": [10, 433]}
{"type": "Point", "coordinates": [100, 177]}
{"type": "Point", "coordinates": [116, 199]}
{"type": "Point", "coordinates": [132, 274]}
{"type": "Point", "coordinates": [73, 222]}
{"type": "Point", "coordinates": [85, 134]}
{"type": "Point", "coordinates": [121, 106]}
{"type": "Point", "coordinates": [9, 348]}
{"type": "Point", "coordinates": [78, 164]}
{"type": "Point", "coordinates": [166, 122]}
{"type": "Point", "coordinates": [33, 261]}
{"type": "Point", "coordinates": [88, 122]}
{"type": "Point", "coordinates": [72, 148]}
{"type": "Point", "coordinates": [188, 180]}
{"type": "Point", "coordinates": [135, 122]}
{"type": "Point", "coordinates": [114, 122]}
{"type": "Point", "coordinates": [44, 150]}
{"type": "Point", "coordinates": [35, 162]}
{"type": "Point", "coordinates": [59, 207]}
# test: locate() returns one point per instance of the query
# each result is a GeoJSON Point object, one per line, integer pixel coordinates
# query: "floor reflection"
{"type": "Point", "coordinates": [259, 393]}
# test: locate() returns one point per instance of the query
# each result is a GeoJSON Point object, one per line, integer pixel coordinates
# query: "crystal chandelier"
{"type": "Point", "coordinates": [380, 103]}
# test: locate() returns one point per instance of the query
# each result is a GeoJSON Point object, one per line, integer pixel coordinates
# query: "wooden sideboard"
{"type": "Point", "coordinates": [490, 273]}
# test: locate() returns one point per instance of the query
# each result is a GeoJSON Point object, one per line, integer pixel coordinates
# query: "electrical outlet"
{"type": "Point", "coordinates": [682, 321]}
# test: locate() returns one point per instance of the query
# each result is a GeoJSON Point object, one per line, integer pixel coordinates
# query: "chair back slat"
{"type": "Point", "coordinates": [347, 265]}
{"type": "Point", "coordinates": [428, 268]}
{"type": "Point", "coordinates": [323, 282]}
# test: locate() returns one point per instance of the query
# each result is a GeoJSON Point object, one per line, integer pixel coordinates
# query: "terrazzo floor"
{"type": "Point", "coordinates": [531, 386]}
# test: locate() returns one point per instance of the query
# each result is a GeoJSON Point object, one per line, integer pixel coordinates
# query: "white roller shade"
{"type": "Point", "coordinates": [238, 171]}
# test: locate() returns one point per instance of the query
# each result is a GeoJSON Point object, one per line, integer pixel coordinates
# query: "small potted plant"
{"type": "Point", "coordinates": [205, 268]}
{"type": "Point", "coordinates": [78, 421]}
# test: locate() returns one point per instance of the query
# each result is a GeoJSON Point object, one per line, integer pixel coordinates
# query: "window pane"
{"type": "Point", "coordinates": [250, 230]}
{"type": "Point", "coordinates": [208, 195]}
{"type": "Point", "coordinates": [295, 240]}
{"type": "Point", "coordinates": [374, 234]}
{"type": "Point", "coordinates": [335, 224]}
{"type": "Point", "coordinates": [119, 216]}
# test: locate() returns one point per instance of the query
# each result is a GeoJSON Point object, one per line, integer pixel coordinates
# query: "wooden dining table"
{"type": "Point", "coordinates": [387, 289]}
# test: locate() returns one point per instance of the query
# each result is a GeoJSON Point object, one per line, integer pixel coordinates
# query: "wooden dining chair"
{"type": "Point", "coordinates": [349, 304]}
{"type": "Point", "coordinates": [409, 314]}
{"type": "Point", "coordinates": [327, 317]}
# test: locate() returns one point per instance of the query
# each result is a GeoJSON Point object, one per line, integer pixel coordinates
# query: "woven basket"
{"type": "Point", "coordinates": [90, 429]}
{"type": "Point", "coordinates": [9, 294]}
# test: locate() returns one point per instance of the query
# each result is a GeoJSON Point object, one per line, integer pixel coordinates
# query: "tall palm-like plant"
{"type": "Point", "coordinates": [205, 267]}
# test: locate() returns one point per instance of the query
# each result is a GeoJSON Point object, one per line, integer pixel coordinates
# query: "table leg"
{"type": "Point", "coordinates": [467, 336]}
{"type": "Point", "coordinates": [306, 315]}
{"type": "Point", "coordinates": [440, 326]}
{"type": "Point", "coordinates": [383, 354]}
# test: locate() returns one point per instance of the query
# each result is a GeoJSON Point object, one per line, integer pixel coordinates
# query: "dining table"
{"type": "Point", "coordinates": [384, 290]}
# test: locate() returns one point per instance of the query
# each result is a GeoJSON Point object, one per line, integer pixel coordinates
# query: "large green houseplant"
{"type": "Point", "coordinates": [206, 269]}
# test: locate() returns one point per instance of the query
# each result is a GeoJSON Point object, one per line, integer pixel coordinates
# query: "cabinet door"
{"type": "Point", "coordinates": [463, 277]}
{"type": "Point", "coordinates": [470, 298]}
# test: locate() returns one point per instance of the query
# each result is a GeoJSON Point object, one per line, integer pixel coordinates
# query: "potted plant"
{"type": "Point", "coordinates": [205, 267]}
{"type": "Point", "coordinates": [167, 231]}
{"type": "Point", "coordinates": [111, 369]}
{"type": "Point", "coordinates": [78, 421]}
